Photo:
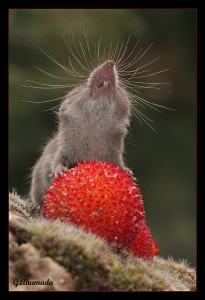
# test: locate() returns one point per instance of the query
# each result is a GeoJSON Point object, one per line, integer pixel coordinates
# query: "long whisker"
{"type": "Point", "coordinates": [110, 51]}
{"type": "Point", "coordinates": [130, 75]}
{"type": "Point", "coordinates": [43, 88]}
{"type": "Point", "coordinates": [123, 62]}
{"type": "Point", "coordinates": [50, 74]}
{"type": "Point", "coordinates": [61, 66]}
{"type": "Point", "coordinates": [113, 54]}
{"type": "Point", "coordinates": [68, 45]}
{"type": "Point", "coordinates": [44, 101]}
{"type": "Point", "coordinates": [52, 108]}
{"type": "Point", "coordinates": [151, 103]}
{"type": "Point", "coordinates": [139, 115]}
{"type": "Point", "coordinates": [51, 85]}
{"type": "Point", "coordinates": [88, 47]}
{"type": "Point", "coordinates": [99, 42]}
{"type": "Point", "coordinates": [152, 74]}
{"type": "Point", "coordinates": [138, 101]}
{"type": "Point", "coordinates": [85, 55]}
{"type": "Point", "coordinates": [125, 49]}
{"type": "Point", "coordinates": [137, 83]}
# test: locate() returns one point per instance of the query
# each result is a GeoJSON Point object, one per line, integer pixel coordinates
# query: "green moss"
{"type": "Point", "coordinates": [24, 207]}
{"type": "Point", "coordinates": [20, 232]}
{"type": "Point", "coordinates": [21, 269]}
{"type": "Point", "coordinates": [18, 205]}
{"type": "Point", "coordinates": [70, 250]}
{"type": "Point", "coordinates": [180, 271]}
{"type": "Point", "coordinates": [136, 274]}
{"type": "Point", "coordinates": [93, 263]}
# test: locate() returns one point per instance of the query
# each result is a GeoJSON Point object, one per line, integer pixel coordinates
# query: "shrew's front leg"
{"type": "Point", "coordinates": [59, 166]}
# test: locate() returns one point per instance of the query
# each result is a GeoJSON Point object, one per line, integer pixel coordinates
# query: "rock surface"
{"type": "Point", "coordinates": [42, 250]}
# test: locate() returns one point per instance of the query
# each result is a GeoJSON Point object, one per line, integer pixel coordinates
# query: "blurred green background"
{"type": "Point", "coordinates": [164, 163]}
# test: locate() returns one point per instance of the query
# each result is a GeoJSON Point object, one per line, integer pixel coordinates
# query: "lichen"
{"type": "Point", "coordinates": [26, 263]}
{"type": "Point", "coordinates": [93, 263]}
{"type": "Point", "coordinates": [179, 271]}
{"type": "Point", "coordinates": [23, 206]}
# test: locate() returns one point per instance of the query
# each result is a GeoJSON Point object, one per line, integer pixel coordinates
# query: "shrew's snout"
{"type": "Point", "coordinates": [103, 78]}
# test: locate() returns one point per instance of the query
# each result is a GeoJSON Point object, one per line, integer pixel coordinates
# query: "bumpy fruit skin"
{"type": "Point", "coordinates": [101, 198]}
{"type": "Point", "coordinates": [143, 246]}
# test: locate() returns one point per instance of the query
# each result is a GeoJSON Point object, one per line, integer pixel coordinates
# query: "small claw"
{"type": "Point", "coordinates": [60, 170]}
{"type": "Point", "coordinates": [128, 171]}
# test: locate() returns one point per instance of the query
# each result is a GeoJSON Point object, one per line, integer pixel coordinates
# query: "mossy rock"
{"type": "Point", "coordinates": [82, 261]}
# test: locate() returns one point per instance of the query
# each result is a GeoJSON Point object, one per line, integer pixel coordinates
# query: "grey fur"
{"type": "Point", "coordinates": [93, 122]}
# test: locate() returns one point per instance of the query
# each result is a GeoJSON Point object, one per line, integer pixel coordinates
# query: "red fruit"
{"type": "Point", "coordinates": [144, 246]}
{"type": "Point", "coordinates": [155, 248]}
{"type": "Point", "coordinates": [101, 198]}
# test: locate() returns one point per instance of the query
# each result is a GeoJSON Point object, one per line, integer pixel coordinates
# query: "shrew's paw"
{"type": "Point", "coordinates": [129, 173]}
{"type": "Point", "coordinates": [60, 170]}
